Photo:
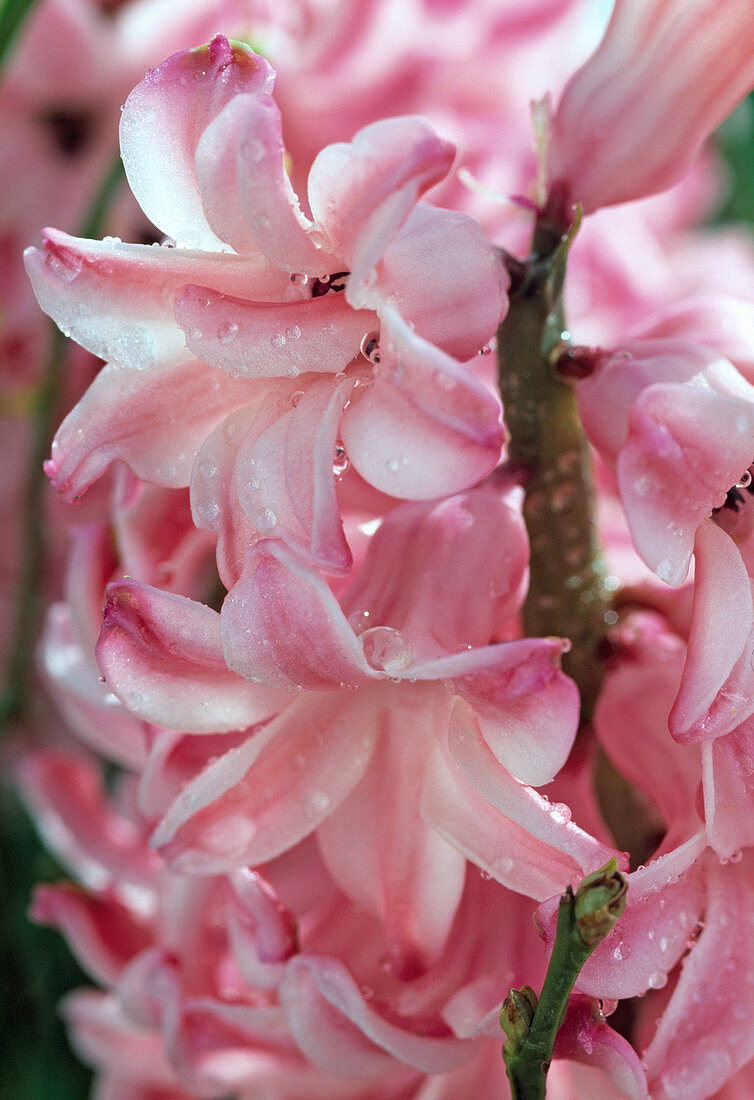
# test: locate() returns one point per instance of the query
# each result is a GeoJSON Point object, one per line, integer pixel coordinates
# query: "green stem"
{"type": "Point", "coordinates": [567, 595]}
{"type": "Point", "coordinates": [29, 608]}
{"type": "Point", "coordinates": [12, 15]}
{"type": "Point", "coordinates": [531, 1025]}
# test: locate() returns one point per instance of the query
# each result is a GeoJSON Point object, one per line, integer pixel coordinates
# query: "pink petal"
{"type": "Point", "coordinates": [526, 708]}
{"type": "Point", "coordinates": [268, 470]}
{"type": "Point", "coordinates": [441, 257]}
{"type": "Point", "coordinates": [634, 116]}
{"type": "Point", "coordinates": [631, 721]}
{"type": "Point", "coordinates": [135, 416]}
{"type": "Point", "coordinates": [519, 848]}
{"type": "Point", "coordinates": [338, 1030]}
{"type": "Point", "coordinates": [263, 797]}
{"type": "Point", "coordinates": [715, 692]}
{"type": "Point", "coordinates": [727, 771]}
{"type": "Point", "coordinates": [664, 901]}
{"type": "Point", "coordinates": [282, 626]}
{"type": "Point", "coordinates": [270, 207]}
{"type": "Point", "coordinates": [674, 468]}
{"type": "Point", "coordinates": [174, 760]}
{"type": "Point", "coordinates": [478, 591]}
{"type": "Point", "coordinates": [271, 340]}
{"type": "Point", "coordinates": [162, 655]}
{"type": "Point", "coordinates": [362, 192]}
{"type": "Point", "coordinates": [538, 840]}
{"type": "Point", "coordinates": [77, 820]}
{"type": "Point", "coordinates": [116, 300]}
{"type": "Point", "coordinates": [705, 1034]}
{"type": "Point", "coordinates": [586, 1037]}
{"type": "Point", "coordinates": [88, 706]}
{"type": "Point", "coordinates": [405, 873]}
{"type": "Point", "coordinates": [104, 1036]}
{"type": "Point", "coordinates": [162, 123]}
{"type": "Point", "coordinates": [102, 934]}
{"type": "Point", "coordinates": [422, 403]}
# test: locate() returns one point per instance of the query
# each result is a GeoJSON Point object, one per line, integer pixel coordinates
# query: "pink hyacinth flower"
{"type": "Point", "coordinates": [248, 327]}
{"type": "Point", "coordinates": [634, 116]}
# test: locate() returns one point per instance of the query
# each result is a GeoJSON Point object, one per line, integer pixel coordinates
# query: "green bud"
{"type": "Point", "coordinates": [516, 1016]}
{"type": "Point", "coordinates": [600, 900]}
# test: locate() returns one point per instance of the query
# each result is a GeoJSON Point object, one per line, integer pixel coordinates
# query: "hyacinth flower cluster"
{"type": "Point", "coordinates": [399, 610]}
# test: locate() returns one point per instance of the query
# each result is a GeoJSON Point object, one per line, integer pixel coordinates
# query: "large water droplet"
{"type": "Point", "coordinates": [370, 347]}
{"type": "Point", "coordinates": [340, 462]}
{"type": "Point", "coordinates": [386, 649]}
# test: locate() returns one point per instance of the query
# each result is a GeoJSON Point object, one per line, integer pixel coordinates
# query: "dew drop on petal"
{"type": "Point", "coordinates": [297, 397]}
{"type": "Point", "coordinates": [657, 979]}
{"type": "Point", "coordinates": [299, 278]}
{"type": "Point", "coordinates": [278, 340]}
{"type": "Point", "coordinates": [227, 332]}
{"type": "Point", "coordinates": [386, 649]}
{"type": "Point", "coordinates": [340, 462]}
{"type": "Point", "coordinates": [64, 264]}
{"type": "Point", "coordinates": [370, 347]}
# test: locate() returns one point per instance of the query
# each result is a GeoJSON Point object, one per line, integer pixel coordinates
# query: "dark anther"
{"type": "Point", "coordinates": [737, 496]}
{"type": "Point", "coordinates": [574, 362]}
{"type": "Point", "coordinates": [334, 283]}
{"type": "Point", "coordinates": [70, 128]}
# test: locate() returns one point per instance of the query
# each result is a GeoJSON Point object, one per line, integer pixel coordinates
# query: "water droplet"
{"type": "Point", "coordinates": [385, 649]}
{"type": "Point", "coordinates": [227, 332]}
{"type": "Point", "coordinates": [278, 340]}
{"type": "Point", "coordinates": [664, 944]}
{"type": "Point", "coordinates": [486, 350]}
{"type": "Point", "coordinates": [267, 520]}
{"type": "Point", "coordinates": [485, 875]}
{"type": "Point", "coordinates": [297, 397]}
{"type": "Point", "coordinates": [64, 264]}
{"type": "Point", "coordinates": [318, 804]}
{"type": "Point", "coordinates": [293, 333]}
{"type": "Point", "coordinates": [560, 813]}
{"type": "Point", "coordinates": [370, 347]}
{"type": "Point", "coordinates": [299, 278]}
{"type": "Point", "coordinates": [657, 980]}
{"type": "Point", "coordinates": [340, 462]}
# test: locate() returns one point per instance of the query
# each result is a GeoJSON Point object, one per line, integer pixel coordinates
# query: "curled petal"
{"type": "Point", "coordinates": [674, 468]}
{"type": "Point", "coordinates": [526, 708]}
{"type": "Point", "coordinates": [268, 470]}
{"type": "Point", "coordinates": [715, 694]}
{"type": "Point", "coordinates": [102, 933]}
{"type": "Point", "coordinates": [261, 798]}
{"type": "Point", "coordinates": [727, 771]}
{"type": "Point", "coordinates": [361, 192]}
{"type": "Point", "coordinates": [664, 902]}
{"type": "Point", "coordinates": [586, 1037]}
{"type": "Point", "coordinates": [162, 123]}
{"type": "Point", "coordinates": [423, 403]}
{"type": "Point", "coordinates": [441, 273]}
{"type": "Point", "coordinates": [116, 300]}
{"type": "Point", "coordinates": [282, 626]}
{"type": "Point", "coordinates": [162, 655]}
{"type": "Point", "coordinates": [634, 116]}
{"type": "Point", "coordinates": [131, 415]}
{"type": "Point", "coordinates": [338, 1030]}
{"type": "Point", "coordinates": [271, 340]}
{"type": "Point", "coordinates": [687, 1061]}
